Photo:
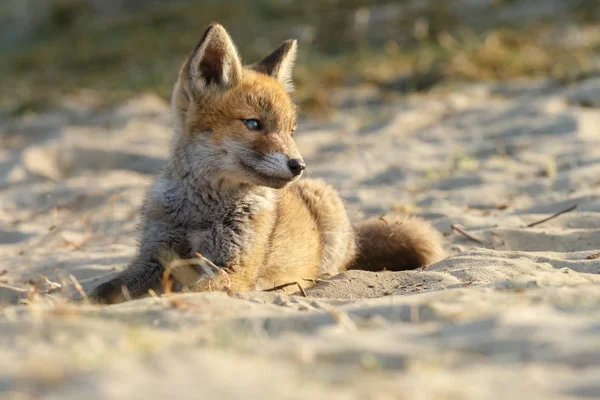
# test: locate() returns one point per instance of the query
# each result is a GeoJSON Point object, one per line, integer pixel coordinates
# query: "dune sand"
{"type": "Point", "coordinates": [513, 312]}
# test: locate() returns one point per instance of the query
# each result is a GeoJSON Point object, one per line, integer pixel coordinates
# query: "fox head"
{"type": "Point", "coordinates": [234, 124]}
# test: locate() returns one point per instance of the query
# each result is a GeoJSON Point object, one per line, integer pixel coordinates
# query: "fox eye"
{"type": "Point", "coordinates": [252, 124]}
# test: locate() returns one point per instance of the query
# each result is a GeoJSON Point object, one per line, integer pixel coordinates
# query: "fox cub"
{"type": "Point", "coordinates": [231, 191]}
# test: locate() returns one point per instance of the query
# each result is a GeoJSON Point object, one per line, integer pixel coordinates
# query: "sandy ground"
{"type": "Point", "coordinates": [513, 312]}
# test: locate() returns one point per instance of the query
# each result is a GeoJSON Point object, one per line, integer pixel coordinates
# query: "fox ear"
{"type": "Point", "coordinates": [280, 63]}
{"type": "Point", "coordinates": [215, 60]}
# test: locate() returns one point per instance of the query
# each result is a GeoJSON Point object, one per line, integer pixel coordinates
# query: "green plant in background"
{"type": "Point", "coordinates": [119, 48]}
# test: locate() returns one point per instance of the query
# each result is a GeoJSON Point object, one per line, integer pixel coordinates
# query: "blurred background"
{"type": "Point", "coordinates": [108, 50]}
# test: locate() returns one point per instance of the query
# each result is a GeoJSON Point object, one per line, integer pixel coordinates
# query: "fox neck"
{"type": "Point", "coordinates": [204, 180]}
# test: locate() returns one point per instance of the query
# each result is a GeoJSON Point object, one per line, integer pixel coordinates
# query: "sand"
{"type": "Point", "coordinates": [512, 312]}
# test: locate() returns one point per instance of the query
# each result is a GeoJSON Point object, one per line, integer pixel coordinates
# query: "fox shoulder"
{"type": "Point", "coordinates": [338, 240]}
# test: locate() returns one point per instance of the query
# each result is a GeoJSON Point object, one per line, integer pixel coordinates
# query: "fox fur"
{"type": "Point", "coordinates": [229, 193]}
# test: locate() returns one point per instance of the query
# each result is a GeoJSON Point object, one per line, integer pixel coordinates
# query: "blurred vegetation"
{"type": "Point", "coordinates": [117, 48]}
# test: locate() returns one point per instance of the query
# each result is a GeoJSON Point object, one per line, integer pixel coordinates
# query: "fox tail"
{"type": "Point", "coordinates": [396, 244]}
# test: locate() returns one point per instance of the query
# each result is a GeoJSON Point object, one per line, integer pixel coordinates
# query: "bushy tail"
{"type": "Point", "coordinates": [397, 243]}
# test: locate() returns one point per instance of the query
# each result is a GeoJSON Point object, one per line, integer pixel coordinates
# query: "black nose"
{"type": "Point", "coordinates": [296, 166]}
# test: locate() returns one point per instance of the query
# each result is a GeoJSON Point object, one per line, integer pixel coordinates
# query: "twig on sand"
{"type": "Point", "coordinates": [34, 291]}
{"type": "Point", "coordinates": [552, 216]}
{"type": "Point", "coordinates": [284, 285]}
{"type": "Point", "coordinates": [279, 287]}
{"type": "Point", "coordinates": [166, 282]}
{"type": "Point", "coordinates": [458, 229]}
{"type": "Point", "coordinates": [52, 286]}
{"type": "Point", "coordinates": [593, 256]}
{"type": "Point", "coordinates": [314, 281]}
{"type": "Point", "coordinates": [78, 287]}
{"type": "Point", "coordinates": [154, 295]}
{"type": "Point", "coordinates": [301, 290]}
{"type": "Point", "coordinates": [125, 292]}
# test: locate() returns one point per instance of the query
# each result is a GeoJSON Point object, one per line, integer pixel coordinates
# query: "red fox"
{"type": "Point", "coordinates": [232, 190]}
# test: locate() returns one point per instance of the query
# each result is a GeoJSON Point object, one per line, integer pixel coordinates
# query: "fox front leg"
{"type": "Point", "coordinates": [134, 282]}
{"type": "Point", "coordinates": [199, 274]}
